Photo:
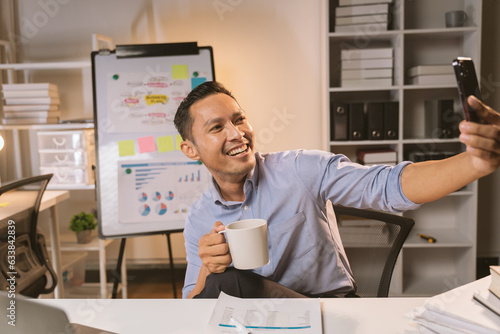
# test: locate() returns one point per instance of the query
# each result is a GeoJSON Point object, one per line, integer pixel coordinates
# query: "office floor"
{"type": "Point", "coordinates": [147, 283]}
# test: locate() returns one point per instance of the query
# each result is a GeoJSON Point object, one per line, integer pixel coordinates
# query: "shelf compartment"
{"type": "Point", "coordinates": [414, 110]}
{"type": "Point", "coordinates": [425, 14]}
{"type": "Point", "coordinates": [446, 238]}
{"type": "Point", "coordinates": [428, 272]}
{"type": "Point", "coordinates": [360, 43]}
{"type": "Point", "coordinates": [450, 212]}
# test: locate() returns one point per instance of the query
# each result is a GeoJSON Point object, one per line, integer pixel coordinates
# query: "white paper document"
{"type": "Point", "coordinates": [281, 315]}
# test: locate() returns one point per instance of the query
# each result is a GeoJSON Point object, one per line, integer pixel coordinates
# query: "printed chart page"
{"type": "Point", "coordinates": [283, 315]}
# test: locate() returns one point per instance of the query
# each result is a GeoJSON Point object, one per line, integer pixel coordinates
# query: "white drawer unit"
{"type": "Point", "coordinates": [66, 140]}
{"type": "Point", "coordinates": [69, 155]}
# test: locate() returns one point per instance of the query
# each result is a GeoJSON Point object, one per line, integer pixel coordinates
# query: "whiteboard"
{"type": "Point", "coordinates": [144, 183]}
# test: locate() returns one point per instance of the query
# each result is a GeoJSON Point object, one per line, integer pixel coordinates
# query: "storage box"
{"type": "Point", "coordinates": [68, 175]}
{"type": "Point", "coordinates": [64, 140]}
{"type": "Point", "coordinates": [61, 158]}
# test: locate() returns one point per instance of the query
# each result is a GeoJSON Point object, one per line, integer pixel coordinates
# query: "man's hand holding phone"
{"type": "Point", "coordinates": [482, 140]}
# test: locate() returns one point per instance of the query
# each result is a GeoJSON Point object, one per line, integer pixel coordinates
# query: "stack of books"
{"type": "Point", "coordinates": [366, 67]}
{"type": "Point", "coordinates": [377, 157]}
{"type": "Point", "coordinates": [30, 103]}
{"type": "Point", "coordinates": [490, 298]}
{"type": "Point", "coordinates": [362, 16]}
{"type": "Point", "coordinates": [432, 75]}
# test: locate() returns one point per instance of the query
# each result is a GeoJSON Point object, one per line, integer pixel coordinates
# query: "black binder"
{"type": "Point", "coordinates": [357, 121]}
{"type": "Point", "coordinates": [441, 121]}
{"type": "Point", "coordinates": [339, 121]}
{"type": "Point", "coordinates": [391, 120]}
{"type": "Point", "coordinates": [375, 116]}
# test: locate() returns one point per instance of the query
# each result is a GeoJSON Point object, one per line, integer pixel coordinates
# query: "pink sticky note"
{"type": "Point", "coordinates": [146, 144]}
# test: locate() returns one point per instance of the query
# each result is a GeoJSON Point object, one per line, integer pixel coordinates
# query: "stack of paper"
{"type": "Point", "coordinates": [284, 315]}
{"type": "Point", "coordinates": [31, 103]}
{"type": "Point", "coordinates": [362, 16]}
{"type": "Point", "coordinates": [432, 75]}
{"type": "Point", "coordinates": [457, 311]}
{"type": "Point", "coordinates": [366, 67]}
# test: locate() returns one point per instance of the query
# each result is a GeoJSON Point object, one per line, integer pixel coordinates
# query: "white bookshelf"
{"type": "Point", "coordinates": [418, 37]}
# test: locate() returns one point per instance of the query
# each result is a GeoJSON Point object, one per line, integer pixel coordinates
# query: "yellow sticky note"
{"type": "Point", "coordinates": [179, 72]}
{"type": "Point", "coordinates": [4, 204]}
{"type": "Point", "coordinates": [126, 147]}
{"type": "Point", "coordinates": [178, 140]}
{"type": "Point", "coordinates": [165, 144]}
{"type": "Point", "coordinates": [154, 99]}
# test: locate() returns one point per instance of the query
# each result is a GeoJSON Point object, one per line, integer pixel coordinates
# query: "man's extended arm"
{"type": "Point", "coordinates": [427, 181]}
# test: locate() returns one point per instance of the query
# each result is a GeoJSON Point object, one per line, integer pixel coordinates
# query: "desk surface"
{"type": "Point", "coordinates": [176, 316]}
{"type": "Point", "coordinates": [16, 201]}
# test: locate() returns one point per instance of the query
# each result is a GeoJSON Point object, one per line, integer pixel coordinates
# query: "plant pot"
{"type": "Point", "coordinates": [84, 237]}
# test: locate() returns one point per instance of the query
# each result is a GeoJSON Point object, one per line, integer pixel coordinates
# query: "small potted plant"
{"type": "Point", "coordinates": [83, 224]}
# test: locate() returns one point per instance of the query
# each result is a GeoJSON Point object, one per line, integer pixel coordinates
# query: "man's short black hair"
{"type": "Point", "coordinates": [183, 121]}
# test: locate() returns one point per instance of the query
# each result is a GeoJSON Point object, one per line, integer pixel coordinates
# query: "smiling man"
{"type": "Point", "coordinates": [291, 190]}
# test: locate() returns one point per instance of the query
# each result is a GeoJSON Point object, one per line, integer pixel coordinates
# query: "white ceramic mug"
{"type": "Point", "coordinates": [247, 241]}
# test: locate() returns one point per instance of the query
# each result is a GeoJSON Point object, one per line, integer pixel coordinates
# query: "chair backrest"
{"type": "Point", "coordinates": [372, 241]}
{"type": "Point", "coordinates": [23, 256]}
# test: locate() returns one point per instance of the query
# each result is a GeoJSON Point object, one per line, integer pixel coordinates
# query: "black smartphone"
{"type": "Point", "coordinates": [467, 85]}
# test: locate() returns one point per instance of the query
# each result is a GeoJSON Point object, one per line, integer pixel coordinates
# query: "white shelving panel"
{"type": "Point", "coordinates": [418, 37]}
{"type": "Point", "coordinates": [69, 247]}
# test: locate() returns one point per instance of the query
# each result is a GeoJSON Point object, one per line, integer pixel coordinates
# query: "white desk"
{"type": "Point", "coordinates": [181, 316]}
{"type": "Point", "coordinates": [49, 201]}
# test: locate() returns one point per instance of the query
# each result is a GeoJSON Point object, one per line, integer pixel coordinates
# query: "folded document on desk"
{"type": "Point", "coordinates": [455, 311]}
{"type": "Point", "coordinates": [283, 315]}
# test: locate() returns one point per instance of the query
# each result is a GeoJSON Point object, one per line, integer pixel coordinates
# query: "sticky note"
{"type": "Point", "coordinates": [178, 140]}
{"type": "Point", "coordinates": [4, 204]}
{"type": "Point", "coordinates": [146, 144]}
{"type": "Point", "coordinates": [154, 99]}
{"type": "Point", "coordinates": [197, 81]}
{"type": "Point", "coordinates": [180, 72]}
{"type": "Point", "coordinates": [165, 144]}
{"type": "Point", "coordinates": [126, 147]}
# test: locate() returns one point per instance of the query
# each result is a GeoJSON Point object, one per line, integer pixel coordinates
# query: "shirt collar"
{"type": "Point", "coordinates": [251, 183]}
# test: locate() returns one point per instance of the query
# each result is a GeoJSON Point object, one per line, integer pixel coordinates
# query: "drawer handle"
{"type": "Point", "coordinates": [65, 159]}
{"type": "Point", "coordinates": [62, 177]}
{"type": "Point", "coordinates": [61, 143]}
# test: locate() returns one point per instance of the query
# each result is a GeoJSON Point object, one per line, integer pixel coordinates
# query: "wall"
{"type": "Point", "coordinates": [266, 52]}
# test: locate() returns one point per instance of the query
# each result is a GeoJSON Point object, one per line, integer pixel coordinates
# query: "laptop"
{"type": "Point", "coordinates": [31, 316]}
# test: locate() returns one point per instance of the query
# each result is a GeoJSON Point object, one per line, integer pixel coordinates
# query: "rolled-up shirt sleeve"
{"type": "Point", "coordinates": [334, 177]}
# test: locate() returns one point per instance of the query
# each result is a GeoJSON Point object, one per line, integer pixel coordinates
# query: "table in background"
{"type": "Point", "coordinates": [49, 201]}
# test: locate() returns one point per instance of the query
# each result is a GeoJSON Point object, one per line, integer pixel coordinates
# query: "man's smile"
{"type": "Point", "coordinates": [238, 150]}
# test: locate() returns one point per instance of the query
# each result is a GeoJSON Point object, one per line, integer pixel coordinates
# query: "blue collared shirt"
{"type": "Point", "coordinates": [290, 190]}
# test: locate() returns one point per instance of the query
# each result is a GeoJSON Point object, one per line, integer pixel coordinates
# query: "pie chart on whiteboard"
{"type": "Point", "coordinates": [161, 209]}
{"type": "Point", "coordinates": [142, 197]}
{"type": "Point", "coordinates": [170, 196]}
{"type": "Point", "coordinates": [144, 210]}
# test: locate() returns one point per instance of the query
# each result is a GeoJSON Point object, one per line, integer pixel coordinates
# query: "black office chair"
{"type": "Point", "coordinates": [372, 241]}
{"type": "Point", "coordinates": [23, 255]}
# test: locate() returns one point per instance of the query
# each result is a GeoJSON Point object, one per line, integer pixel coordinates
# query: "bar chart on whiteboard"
{"type": "Point", "coordinates": [157, 191]}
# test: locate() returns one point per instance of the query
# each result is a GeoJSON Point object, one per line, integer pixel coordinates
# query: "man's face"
{"type": "Point", "coordinates": [223, 139]}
